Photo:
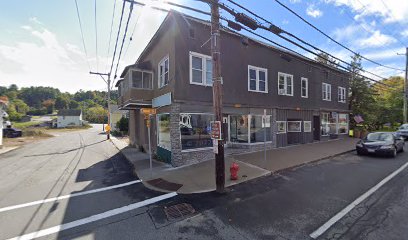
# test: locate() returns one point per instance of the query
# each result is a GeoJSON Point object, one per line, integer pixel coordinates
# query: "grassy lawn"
{"type": "Point", "coordinates": [22, 125]}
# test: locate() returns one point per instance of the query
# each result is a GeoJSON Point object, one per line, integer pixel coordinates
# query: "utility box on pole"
{"type": "Point", "coordinates": [217, 94]}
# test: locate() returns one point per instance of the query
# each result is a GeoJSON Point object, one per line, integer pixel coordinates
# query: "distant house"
{"type": "Point", "coordinates": [116, 115]}
{"type": "Point", "coordinates": [69, 117]}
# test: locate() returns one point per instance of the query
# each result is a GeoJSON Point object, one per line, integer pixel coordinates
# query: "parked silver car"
{"type": "Point", "coordinates": [403, 131]}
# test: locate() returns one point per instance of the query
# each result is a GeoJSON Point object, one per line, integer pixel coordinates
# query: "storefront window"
{"type": "Point", "coordinates": [195, 130]}
{"type": "Point", "coordinates": [329, 123]}
{"type": "Point", "coordinates": [239, 128]}
{"type": "Point", "coordinates": [343, 123]}
{"type": "Point", "coordinates": [259, 129]}
{"type": "Point", "coordinates": [325, 128]}
{"type": "Point", "coordinates": [163, 129]}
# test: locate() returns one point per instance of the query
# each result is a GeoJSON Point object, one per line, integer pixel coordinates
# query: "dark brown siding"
{"type": "Point", "coordinates": [301, 137]}
{"type": "Point", "coordinates": [235, 60]}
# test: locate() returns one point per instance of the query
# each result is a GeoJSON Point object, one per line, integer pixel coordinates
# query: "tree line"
{"type": "Point", "coordinates": [37, 101]}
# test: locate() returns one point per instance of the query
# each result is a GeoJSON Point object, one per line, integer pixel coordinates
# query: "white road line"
{"type": "Point", "coordinates": [93, 218]}
{"type": "Point", "coordinates": [347, 209]}
{"type": "Point", "coordinates": [67, 196]}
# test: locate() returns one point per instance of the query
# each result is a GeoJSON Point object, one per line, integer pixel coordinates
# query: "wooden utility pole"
{"type": "Point", "coordinates": [217, 93]}
{"type": "Point", "coordinates": [108, 82]}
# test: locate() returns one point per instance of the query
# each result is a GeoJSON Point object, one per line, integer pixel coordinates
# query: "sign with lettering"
{"type": "Point", "coordinates": [216, 130]}
{"type": "Point", "coordinates": [148, 111]}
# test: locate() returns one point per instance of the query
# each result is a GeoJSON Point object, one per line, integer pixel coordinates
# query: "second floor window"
{"type": "Point", "coordinates": [164, 72]}
{"type": "Point", "coordinates": [257, 79]}
{"type": "Point", "coordinates": [342, 94]}
{"type": "Point", "coordinates": [285, 84]}
{"type": "Point", "coordinates": [141, 79]}
{"type": "Point", "coordinates": [200, 69]}
{"type": "Point", "coordinates": [304, 88]}
{"type": "Point", "coordinates": [326, 91]}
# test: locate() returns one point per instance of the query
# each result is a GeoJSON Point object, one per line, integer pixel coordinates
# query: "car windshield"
{"type": "Point", "coordinates": [404, 127]}
{"type": "Point", "coordinates": [379, 137]}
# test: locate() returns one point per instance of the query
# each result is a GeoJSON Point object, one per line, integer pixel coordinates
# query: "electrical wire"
{"type": "Point", "coordinates": [82, 35]}
{"type": "Point", "coordinates": [96, 41]}
{"type": "Point", "coordinates": [332, 39]}
{"type": "Point", "coordinates": [123, 40]}
{"type": "Point", "coordinates": [233, 12]}
{"type": "Point", "coordinates": [117, 37]}
{"type": "Point", "coordinates": [110, 34]}
{"type": "Point", "coordinates": [131, 36]}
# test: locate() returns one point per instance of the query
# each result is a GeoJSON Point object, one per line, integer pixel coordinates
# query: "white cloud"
{"type": "Point", "coordinates": [295, 1]}
{"type": "Point", "coordinates": [404, 33]}
{"type": "Point", "coordinates": [377, 39]}
{"type": "Point", "coordinates": [390, 10]}
{"type": "Point", "coordinates": [385, 54]}
{"type": "Point", "coordinates": [313, 11]}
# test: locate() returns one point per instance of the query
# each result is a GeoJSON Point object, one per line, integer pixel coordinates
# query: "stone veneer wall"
{"type": "Point", "coordinates": [176, 156]}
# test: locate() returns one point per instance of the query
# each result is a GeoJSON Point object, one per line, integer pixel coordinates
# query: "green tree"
{"type": "Point", "coordinates": [49, 104]}
{"type": "Point", "coordinates": [123, 124]}
{"type": "Point", "coordinates": [62, 102]}
{"type": "Point", "coordinates": [73, 104]}
{"type": "Point", "coordinates": [20, 106]}
{"type": "Point", "coordinates": [361, 97]}
{"type": "Point", "coordinates": [96, 114]}
{"type": "Point", "coordinates": [326, 59]}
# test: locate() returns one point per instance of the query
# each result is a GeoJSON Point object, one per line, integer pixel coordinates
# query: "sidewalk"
{"type": "Point", "coordinates": [200, 177]}
{"type": "Point", "coordinates": [6, 149]}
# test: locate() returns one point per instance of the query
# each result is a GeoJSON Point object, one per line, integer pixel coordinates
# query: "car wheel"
{"type": "Point", "coordinates": [359, 152]}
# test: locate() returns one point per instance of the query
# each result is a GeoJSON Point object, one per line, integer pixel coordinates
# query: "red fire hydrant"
{"type": "Point", "coordinates": [234, 171]}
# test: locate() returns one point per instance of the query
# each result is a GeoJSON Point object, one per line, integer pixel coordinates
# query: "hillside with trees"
{"type": "Point", "coordinates": [47, 100]}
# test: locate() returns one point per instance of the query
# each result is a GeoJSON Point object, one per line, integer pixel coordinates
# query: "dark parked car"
{"type": "Point", "coordinates": [403, 131]}
{"type": "Point", "coordinates": [12, 132]}
{"type": "Point", "coordinates": [382, 143]}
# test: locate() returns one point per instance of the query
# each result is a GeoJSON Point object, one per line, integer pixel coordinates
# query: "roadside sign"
{"type": "Point", "coordinates": [216, 130]}
{"type": "Point", "coordinates": [148, 111]}
{"type": "Point", "coordinates": [215, 146]}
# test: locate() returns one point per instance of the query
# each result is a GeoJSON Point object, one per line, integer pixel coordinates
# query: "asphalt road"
{"type": "Point", "coordinates": [286, 205]}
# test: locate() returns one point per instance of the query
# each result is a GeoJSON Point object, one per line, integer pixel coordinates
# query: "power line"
{"type": "Point", "coordinates": [131, 36]}
{"type": "Point", "coordinates": [332, 39]}
{"type": "Point", "coordinates": [277, 31]}
{"type": "Point", "coordinates": [117, 37]}
{"type": "Point", "coordinates": [123, 40]}
{"type": "Point", "coordinates": [110, 34]}
{"type": "Point", "coordinates": [82, 35]}
{"type": "Point", "coordinates": [262, 37]}
{"type": "Point", "coordinates": [96, 41]}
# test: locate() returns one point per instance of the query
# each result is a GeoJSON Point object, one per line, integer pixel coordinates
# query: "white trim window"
{"type": "Point", "coordinates": [257, 79]}
{"type": "Point", "coordinates": [281, 127]}
{"type": "Point", "coordinates": [163, 72]}
{"type": "Point", "coordinates": [342, 94]}
{"type": "Point", "coordinates": [294, 126]}
{"type": "Point", "coordinates": [307, 126]}
{"type": "Point", "coordinates": [200, 69]}
{"type": "Point", "coordinates": [304, 82]}
{"type": "Point", "coordinates": [285, 84]}
{"type": "Point", "coordinates": [326, 91]}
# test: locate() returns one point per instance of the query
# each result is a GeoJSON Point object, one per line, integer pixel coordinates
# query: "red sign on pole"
{"type": "Point", "coordinates": [216, 130]}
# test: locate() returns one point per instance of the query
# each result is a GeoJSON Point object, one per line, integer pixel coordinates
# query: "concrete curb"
{"type": "Point", "coordinates": [12, 149]}
{"type": "Point", "coordinates": [147, 185]}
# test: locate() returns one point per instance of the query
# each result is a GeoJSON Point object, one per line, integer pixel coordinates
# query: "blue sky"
{"type": "Point", "coordinates": [41, 44]}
